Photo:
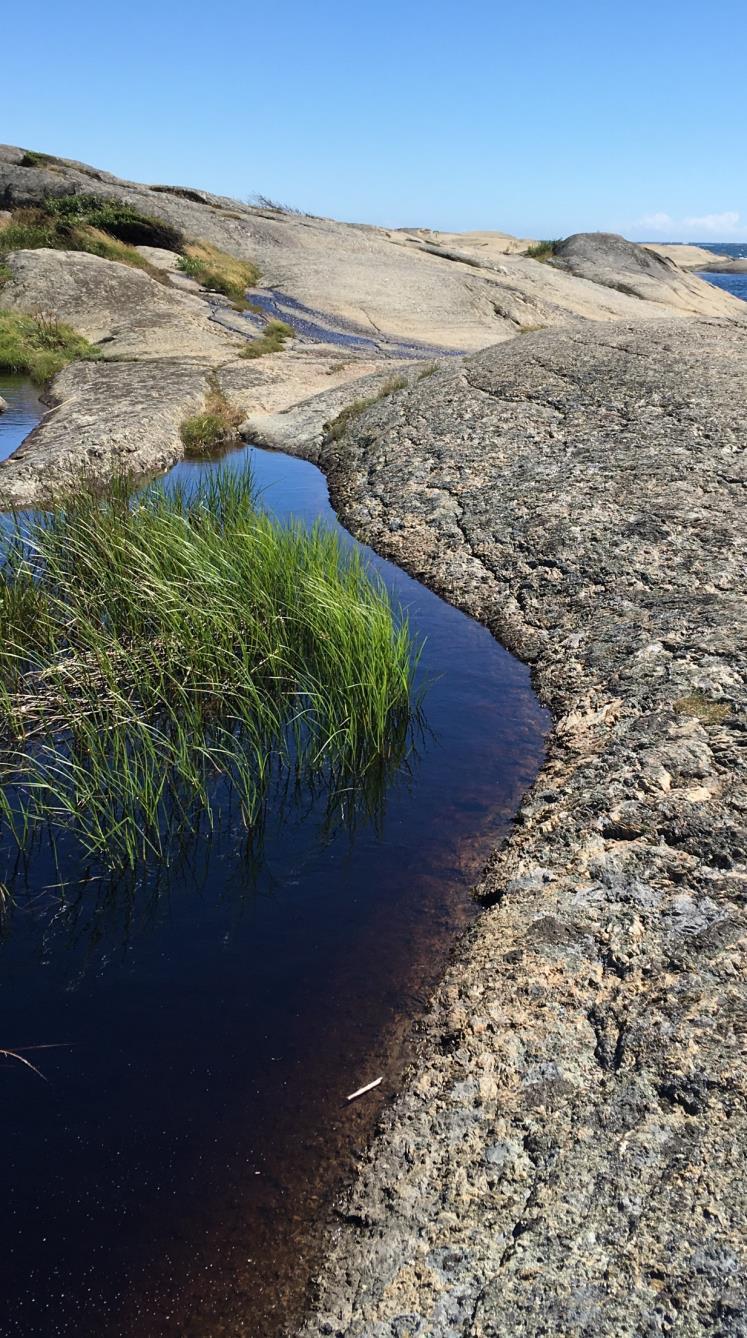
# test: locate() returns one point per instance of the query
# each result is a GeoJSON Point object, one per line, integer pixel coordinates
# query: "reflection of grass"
{"type": "Point", "coordinates": [155, 652]}
{"type": "Point", "coordinates": [39, 345]}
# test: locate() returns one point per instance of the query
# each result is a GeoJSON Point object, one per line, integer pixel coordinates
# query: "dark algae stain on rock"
{"type": "Point", "coordinates": [573, 1140]}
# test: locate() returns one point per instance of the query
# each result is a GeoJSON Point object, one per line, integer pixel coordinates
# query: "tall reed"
{"type": "Point", "coordinates": [156, 649]}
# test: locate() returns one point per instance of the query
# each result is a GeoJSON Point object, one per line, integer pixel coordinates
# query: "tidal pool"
{"type": "Point", "coordinates": [200, 1026]}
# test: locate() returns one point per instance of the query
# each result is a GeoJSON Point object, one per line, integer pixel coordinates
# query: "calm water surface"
{"type": "Point", "coordinates": [22, 414]}
{"type": "Point", "coordinates": [169, 1173]}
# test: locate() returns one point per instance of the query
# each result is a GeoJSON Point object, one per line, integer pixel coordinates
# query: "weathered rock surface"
{"type": "Point", "coordinates": [683, 254]}
{"type": "Point", "coordinates": [299, 428]}
{"type": "Point", "coordinates": [115, 305]}
{"type": "Point", "coordinates": [726, 266]}
{"type": "Point", "coordinates": [442, 289]}
{"type": "Point", "coordinates": [109, 419]}
{"type": "Point", "coordinates": [568, 1157]}
{"type": "Point", "coordinates": [613, 262]}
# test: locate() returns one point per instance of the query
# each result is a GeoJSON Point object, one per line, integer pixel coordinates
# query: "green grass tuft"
{"type": "Point", "coordinates": [273, 338]}
{"type": "Point", "coordinates": [216, 426]}
{"type": "Point", "coordinates": [542, 250]}
{"type": "Point", "coordinates": [157, 649]}
{"type": "Point", "coordinates": [39, 346]}
{"type": "Point", "coordinates": [219, 271]}
{"type": "Point", "coordinates": [339, 425]}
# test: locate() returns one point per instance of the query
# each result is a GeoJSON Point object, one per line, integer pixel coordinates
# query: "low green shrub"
{"type": "Point", "coordinates": [31, 229]}
{"type": "Point", "coordinates": [39, 346]}
{"type": "Point", "coordinates": [33, 159]}
{"type": "Point", "coordinates": [117, 218]}
{"type": "Point", "coordinates": [542, 250]}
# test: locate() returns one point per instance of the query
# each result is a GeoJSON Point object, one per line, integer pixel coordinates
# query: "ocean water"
{"type": "Point", "coordinates": [736, 284]}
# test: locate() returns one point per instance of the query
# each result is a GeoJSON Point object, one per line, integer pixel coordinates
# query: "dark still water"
{"type": "Point", "coordinates": [171, 1172]}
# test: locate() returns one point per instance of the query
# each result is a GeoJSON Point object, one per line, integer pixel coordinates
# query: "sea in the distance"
{"type": "Point", "coordinates": [731, 283]}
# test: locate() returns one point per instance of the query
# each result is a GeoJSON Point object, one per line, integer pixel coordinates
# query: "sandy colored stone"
{"type": "Point", "coordinates": [451, 291]}
{"type": "Point", "coordinates": [122, 309]}
{"type": "Point", "coordinates": [683, 254]}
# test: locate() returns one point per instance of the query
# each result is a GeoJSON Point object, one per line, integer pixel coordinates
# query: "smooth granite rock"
{"type": "Point", "coordinates": [568, 1156]}
{"type": "Point", "coordinates": [612, 262]}
{"type": "Point", "coordinates": [460, 293]}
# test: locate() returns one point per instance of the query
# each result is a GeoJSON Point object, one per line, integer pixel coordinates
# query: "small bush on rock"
{"type": "Point", "coordinates": [39, 346]}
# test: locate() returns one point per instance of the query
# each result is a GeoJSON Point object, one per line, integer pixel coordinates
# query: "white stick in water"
{"type": "Point", "coordinates": [367, 1088]}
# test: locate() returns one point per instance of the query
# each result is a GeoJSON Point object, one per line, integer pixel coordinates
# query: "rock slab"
{"type": "Point", "coordinates": [568, 1157]}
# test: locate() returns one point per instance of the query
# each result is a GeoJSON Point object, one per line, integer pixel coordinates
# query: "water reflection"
{"type": "Point", "coordinates": [167, 1177]}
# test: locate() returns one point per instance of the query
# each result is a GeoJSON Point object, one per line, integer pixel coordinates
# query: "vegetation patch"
{"type": "Point", "coordinates": [272, 340]}
{"type": "Point", "coordinates": [542, 250]}
{"type": "Point", "coordinates": [160, 652]}
{"type": "Point", "coordinates": [39, 346]}
{"type": "Point", "coordinates": [216, 426]}
{"type": "Point", "coordinates": [33, 159]}
{"type": "Point", "coordinates": [703, 708]}
{"type": "Point", "coordinates": [31, 229]}
{"type": "Point", "coordinates": [117, 218]}
{"type": "Point", "coordinates": [338, 426]}
{"type": "Point", "coordinates": [220, 272]}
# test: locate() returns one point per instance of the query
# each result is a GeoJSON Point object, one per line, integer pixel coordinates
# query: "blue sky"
{"type": "Point", "coordinates": [539, 120]}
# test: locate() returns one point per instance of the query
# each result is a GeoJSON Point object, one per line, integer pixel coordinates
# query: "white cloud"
{"type": "Point", "coordinates": [657, 222]}
{"type": "Point", "coordinates": [698, 227]}
{"type": "Point", "coordinates": [716, 225]}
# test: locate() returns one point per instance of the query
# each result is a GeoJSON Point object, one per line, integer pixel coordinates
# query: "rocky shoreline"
{"type": "Point", "coordinates": [567, 1156]}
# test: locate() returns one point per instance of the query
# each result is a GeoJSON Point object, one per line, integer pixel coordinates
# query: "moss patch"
{"type": "Point", "coordinates": [703, 708]}
{"type": "Point", "coordinates": [39, 346]}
